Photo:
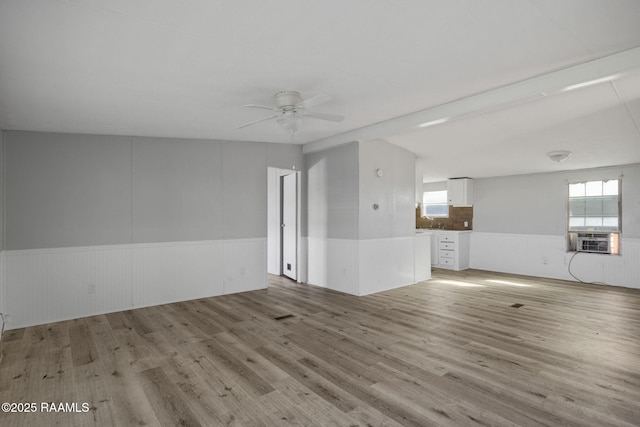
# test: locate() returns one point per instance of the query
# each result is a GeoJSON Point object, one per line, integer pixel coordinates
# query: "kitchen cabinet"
{"type": "Point", "coordinates": [460, 191]}
{"type": "Point", "coordinates": [450, 249]}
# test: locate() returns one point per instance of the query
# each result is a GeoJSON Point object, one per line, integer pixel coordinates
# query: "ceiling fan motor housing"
{"type": "Point", "coordinates": [287, 98]}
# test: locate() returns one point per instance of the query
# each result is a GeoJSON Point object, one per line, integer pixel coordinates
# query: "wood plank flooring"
{"type": "Point", "coordinates": [452, 351]}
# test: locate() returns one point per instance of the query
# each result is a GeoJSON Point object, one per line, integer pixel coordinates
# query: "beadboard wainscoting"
{"type": "Point", "coordinates": [546, 256]}
{"type": "Point", "coordinates": [49, 285]}
{"type": "Point", "coordinates": [3, 292]}
{"type": "Point", "coordinates": [386, 264]}
{"type": "Point", "coordinates": [361, 267]}
{"type": "Point", "coordinates": [333, 264]}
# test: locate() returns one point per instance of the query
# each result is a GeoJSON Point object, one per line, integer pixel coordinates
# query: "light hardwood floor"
{"type": "Point", "coordinates": [449, 351]}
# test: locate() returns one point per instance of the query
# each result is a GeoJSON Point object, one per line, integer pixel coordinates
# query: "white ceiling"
{"type": "Point", "coordinates": [183, 69]}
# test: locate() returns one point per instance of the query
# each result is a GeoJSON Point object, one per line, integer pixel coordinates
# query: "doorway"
{"type": "Point", "coordinates": [289, 225]}
{"type": "Point", "coordinates": [284, 248]}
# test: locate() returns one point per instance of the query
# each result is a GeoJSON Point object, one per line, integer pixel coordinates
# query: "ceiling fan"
{"type": "Point", "coordinates": [289, 109]}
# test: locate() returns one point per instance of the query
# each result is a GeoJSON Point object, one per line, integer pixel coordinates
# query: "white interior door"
{"type": "Point", "coordinates": [290, 225]}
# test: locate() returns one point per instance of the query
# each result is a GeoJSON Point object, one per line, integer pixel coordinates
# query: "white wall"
{"type": "Point", "coordinates": [3, 288]}
{"type": "Point", "coordinates": [332, 200]}
{"type": "Point", "coordinates": [3, 297]}
{"type": "Point", "coordinates": [67, 190]}
{"type": "Point", "coordinates": [273, 221]}
{"type": "Point", "coordinates": [520, 227]}
{"type": "Point", "coordinates": [46, 285]}
{"type": "Point", "coordinates": [352, 247]}
{"type": "Point", "coordinates": [434, 186]}
{"type": "Point", "coordinates": [332, 187]}
{"type": "Point", "coordinates": [393, 191]}
{"type": "Point", "coordinates": [105, 223]}
{"type": "Point", "coordinates": [386, 236]}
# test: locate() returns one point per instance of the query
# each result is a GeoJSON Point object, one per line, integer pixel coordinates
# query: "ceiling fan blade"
{"type": "Point", "coordinates": [262, 107]}
{"type": "Point", "coordinates": [315, 100]}
{"type": "Point", "coordinates": [256, 121]}
{"type": "Point", "coordinates": [324, 116]}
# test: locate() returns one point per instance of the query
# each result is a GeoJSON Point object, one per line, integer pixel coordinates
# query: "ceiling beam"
{"type": "Point", "coordinates": [598, 70]}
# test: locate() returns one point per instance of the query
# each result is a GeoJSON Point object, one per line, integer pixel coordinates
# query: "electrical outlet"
{"type": "Point", "coordinates": [545, 260]}
{"type": "Point", "coordinates": [7, 318]}
{"type": "Point", "coordinates": [92, 288]}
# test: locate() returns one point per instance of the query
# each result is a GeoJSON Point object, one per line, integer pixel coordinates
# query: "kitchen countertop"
{"type": "Point", "coordinates": [423, 231]}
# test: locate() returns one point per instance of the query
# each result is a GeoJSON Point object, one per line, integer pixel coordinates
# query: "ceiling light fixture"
{"type": "Point", "coordinates": [559, 156]}
{"type": "Point", "coordinates": [289, 121]}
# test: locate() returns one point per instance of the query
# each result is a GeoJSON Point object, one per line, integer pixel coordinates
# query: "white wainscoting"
{"type": "Point", "coordinates": [333, 264]}
{"type": "Point", "coordinates": [3, 294]}
{"type": "Point", "coordinates": [422, 257]}
{"type": "Point", "coordinates": [361, 267]}
{"type": "Point", "coordinates": [546, 256]}
{"type": "Point", "coordinates": [159, 272]}
{"type": "Point", "coordinates": [386, 264]}
{"type": "Point", "coordinates": [303, 259]}
{"type": "Point", "coordinates": [244, 265]}
{"type": "Point", "coordinates": [49, 285]}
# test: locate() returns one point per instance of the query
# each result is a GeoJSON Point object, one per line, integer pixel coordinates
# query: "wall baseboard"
{"type": "Point", "coordinates": [50, 285]}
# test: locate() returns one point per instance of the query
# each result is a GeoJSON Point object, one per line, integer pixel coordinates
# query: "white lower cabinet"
{"type": "Point", "coordinates": [450, 249]}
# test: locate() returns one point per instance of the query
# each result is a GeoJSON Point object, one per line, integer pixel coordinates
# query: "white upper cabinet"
{"type": "Point", "coordinates": [460, 191]}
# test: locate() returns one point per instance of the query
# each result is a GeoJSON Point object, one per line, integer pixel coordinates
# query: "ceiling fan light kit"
{"type": "Point", "coordinates": [290, 109]}
{"type": "Point", "coordinates": [289, 121]}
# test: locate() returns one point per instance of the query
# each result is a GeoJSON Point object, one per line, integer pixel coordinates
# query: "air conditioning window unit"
{"type": "Point", "coordinates": [594, 242]}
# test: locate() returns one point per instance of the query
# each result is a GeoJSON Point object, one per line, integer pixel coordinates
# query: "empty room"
{"type": "Point", "coordinates": [320, 213]}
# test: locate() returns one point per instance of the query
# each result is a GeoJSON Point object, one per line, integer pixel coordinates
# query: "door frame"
{"type": "Point", "coordinates": [274, 245]}
{"type": "Point", "coordinates": [283, 241]}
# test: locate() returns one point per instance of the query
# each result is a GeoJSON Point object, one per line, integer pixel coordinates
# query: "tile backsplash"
{"type": "Point", "coordinates": [457, 217]}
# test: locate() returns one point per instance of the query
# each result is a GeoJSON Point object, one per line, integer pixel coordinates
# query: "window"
{"type": "Point", "coordinates": [594, 216]}
{"type": "Point", "coordinates": [595, 206]}
{"type": "Point", "coordinates": [434, 204]}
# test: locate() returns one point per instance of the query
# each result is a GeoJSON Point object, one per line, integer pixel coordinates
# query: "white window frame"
{"type": "Point", "coordinates": [595, 207]}
{"type": "Point", "coordinates": [441, 199]}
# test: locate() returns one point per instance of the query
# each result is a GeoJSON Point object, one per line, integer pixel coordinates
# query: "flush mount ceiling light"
{"type": "Point", "coordinates": [559, 156]}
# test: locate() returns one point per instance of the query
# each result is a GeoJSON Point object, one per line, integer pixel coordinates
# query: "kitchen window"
{"type": "Point", "coordinates": [594, 216]}
{"type": "Point", "coordinates": [435, 204]}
